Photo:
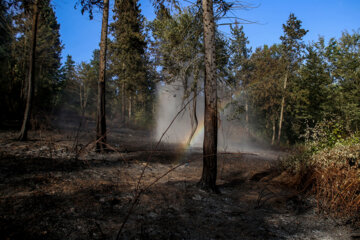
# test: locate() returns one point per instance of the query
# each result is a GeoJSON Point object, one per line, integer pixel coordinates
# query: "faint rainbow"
{"type": "Point", "coordinates": [200, 129]}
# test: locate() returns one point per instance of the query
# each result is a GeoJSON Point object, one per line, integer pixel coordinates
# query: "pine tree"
{"type": "Point", "coordinates": [86, 76]}
{"type": "Point", "coordinates": [129, 61]}
{"type": "Point", "coordinates": [265, 87]}
{"type": "Point", "coordinates": [31, 75]}
{"type": "Point", "coordinates": [79, 86]}
{"type": "Point", "coordinates": [344, 58]}
{"type": "Point", "coordinates": [5, 32]}
{"type": "Point", "coordinates": [70, 86]}
{"type": "Point", "coordinates": [48, 56]}
{"type": "Point", "coordinates": [46, 69]}
{"type": "Point", "coordinates": [6, 41]}
{"type": "Point", "coordinates": [209, 173]}
{"type": "Point", "coordinates": [292, 46]}
{"type": "Point", "coordinates": [69, 70]}
{"type": "Point", "coordinates": [101, 112]}
{"type": "Point", "coordinates": [240, 52]}
{"type": "Point", "coordinates": [88, 5]}
{"type": "Point", "coordinates": [311, 89]}
{"type": "Point", "coordinates": [239, 63]}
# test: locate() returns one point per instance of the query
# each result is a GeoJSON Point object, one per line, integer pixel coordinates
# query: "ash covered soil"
{"type": "Point", "coordinates": [48, 190]}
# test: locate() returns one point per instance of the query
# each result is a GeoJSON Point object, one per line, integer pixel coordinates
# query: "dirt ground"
{"type": "Point", "coordinates": [48, 190]}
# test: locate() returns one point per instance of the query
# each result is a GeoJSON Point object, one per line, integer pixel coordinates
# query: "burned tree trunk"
{"type": "Point", "coordinates": [101, 117]}
{"type": "Point", "coordinates": [130, 108]}
{"type": "Point", "coordinates": [123, 102]}
{"type": "Point", "coordinates": [208, 178]}
{"type": "Point", "coordinates": [31, 76]}
{"type": "Point", "coordinates": [193, 117]}
{"type": "Point", "coordinates": [273, 132]}
{"type": "Point", "coordinates": [282, 108]}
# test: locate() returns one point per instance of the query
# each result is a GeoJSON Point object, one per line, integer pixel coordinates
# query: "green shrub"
{"type": "Point", "coordinates": [330, 167]}
{"type": "Point", "coordinates": [327, 134]}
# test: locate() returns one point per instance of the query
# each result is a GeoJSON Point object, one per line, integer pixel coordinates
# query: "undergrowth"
{"type": "Point", "coordinates": [328, 165]}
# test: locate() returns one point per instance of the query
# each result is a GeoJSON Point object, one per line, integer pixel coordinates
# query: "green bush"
{"type": "Point", "coordinates": [329, 164]}
{"type": "Point", "coordinates": [327, 134]}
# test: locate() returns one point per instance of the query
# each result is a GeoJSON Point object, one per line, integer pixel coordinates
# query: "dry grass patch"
{"type": "Point", "coordinates": [333, 175]}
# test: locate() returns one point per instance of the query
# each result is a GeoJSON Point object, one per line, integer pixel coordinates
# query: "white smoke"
{"type": "Point", "coordinates": [169, 103]}
{"type": "Point", "coordinates": [232, 137]}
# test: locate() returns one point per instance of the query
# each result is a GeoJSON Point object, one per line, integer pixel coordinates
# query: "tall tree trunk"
{"type": "Point", "coordinates": [273, 132]}
{"type": "Point", "coordinates": [123, 103]}
{"type": "Point", "coordinates": [24, 81]}
{"type": "Point", "coordinates": [247, 115]}
{"type": "Point", "coordinates": [282, 108]}
{"type": "Point", "coordinates": [208, 178]}
{"type": "Point", "coordinates": [31, 76]}
{"type": "Point", "coordinates": [81, 97]}
{"type": "Point", "coordinates": [101, 117]}
{"type": "Point", "coordinates": [130, 105]}
{"type": "Point", "coordinates": [193, 118]}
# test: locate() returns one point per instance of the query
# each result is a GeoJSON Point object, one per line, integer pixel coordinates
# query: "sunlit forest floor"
{"type": "Point", "coordinates": [48, 190]}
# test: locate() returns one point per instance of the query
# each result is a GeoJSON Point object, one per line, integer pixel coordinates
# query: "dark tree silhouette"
{"type": "Point", "coordinates": [208, 178]}
{"type": "Point", "coordinates": [31, 74]}
{"type": "Point", "coordinates": [88, 5]}
{"type": "Point", "coordinates": [101, 115]}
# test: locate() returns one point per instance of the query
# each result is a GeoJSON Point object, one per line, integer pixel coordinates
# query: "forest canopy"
{"type": "Point", "coordinates": [322, 77]}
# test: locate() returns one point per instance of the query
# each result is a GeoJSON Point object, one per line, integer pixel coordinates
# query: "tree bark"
{"type": "Point", "coordinates": [123, 103]}
{"type": "Point", "coordinates": [130, 105]}
{"type": "Point", "coordinates": [247, 115]}
{"type": "Point", "coordinates": [31, 76]}
{"type": "Point", "coordinates": [193, 118]}
{"type": "Point", "coordinates": [282, 108]}
{"type": "Point", "coordinates": [209, 173]}
{"type": "Point", "coordinates": [273, 132]}
{"type": "Point", "coordinates": [81, 96]}
{"type": "Point", "coordinates": [101, 117]}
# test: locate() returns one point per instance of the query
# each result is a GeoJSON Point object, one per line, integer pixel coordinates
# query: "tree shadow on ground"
{"type": "Point", "coordinates": [16, 166]}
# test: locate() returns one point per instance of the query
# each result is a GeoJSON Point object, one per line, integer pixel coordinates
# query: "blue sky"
{"type": "Point", "coordinates": [328, 18]}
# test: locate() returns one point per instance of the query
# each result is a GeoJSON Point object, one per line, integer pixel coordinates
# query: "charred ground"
{"type": "Point", "coordinates": [50, 191]}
